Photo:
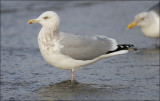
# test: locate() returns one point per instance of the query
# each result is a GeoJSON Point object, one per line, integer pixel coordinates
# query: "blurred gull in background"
{"type": "Point", "coordinates": [148, 22]}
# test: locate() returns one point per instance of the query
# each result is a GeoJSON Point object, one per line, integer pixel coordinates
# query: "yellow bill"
{"type": "Point", "coordinates": [132, 24]}
{"type": "Point", "coordinates": [33, 21]}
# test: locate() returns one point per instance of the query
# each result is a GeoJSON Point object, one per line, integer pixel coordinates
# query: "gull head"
{"type": "Point", "coordinates": [47, 19]}
{"type": "Point", "coordinates": [141, 20]}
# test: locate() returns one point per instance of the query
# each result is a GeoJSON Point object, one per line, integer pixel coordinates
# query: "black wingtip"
{"type": "Point", "coordinates": [120, 47]}
{"type": "Point", "coordinates": [129, 47]}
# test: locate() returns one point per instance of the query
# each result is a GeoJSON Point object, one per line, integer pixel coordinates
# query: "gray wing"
{"type": "Point", "coordinates": [83, 48]}
{"type": "Point", "coordinates": [156, 8]}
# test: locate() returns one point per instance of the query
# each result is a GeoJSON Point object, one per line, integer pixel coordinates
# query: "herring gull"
{"type": "Point", "coordinates": [148, 21]}
{"type": "Point", "coordinates": [72, 52]}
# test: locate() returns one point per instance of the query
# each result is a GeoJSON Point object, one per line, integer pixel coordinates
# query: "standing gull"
{"type": "Point", "coordinates": [148, 22]}
{"type": "Point", "coordinates": [69, 51]}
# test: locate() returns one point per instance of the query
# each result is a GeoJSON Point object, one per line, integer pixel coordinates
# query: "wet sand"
{"type": "Point", "coordinates": [26, 76]}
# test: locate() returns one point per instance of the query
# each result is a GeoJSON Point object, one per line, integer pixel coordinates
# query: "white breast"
{"type": "Point", "coordinates": [153, 30]}
{"type": "Point", "coordinates": [50, 51]}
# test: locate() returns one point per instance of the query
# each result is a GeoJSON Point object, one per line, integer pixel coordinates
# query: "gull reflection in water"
{"type": "Point", "coordinates": [151, 50]}
{"type": "Point", "coordinates": [67, 90]}
{"type": "Point", "coordinates": [148, 51]}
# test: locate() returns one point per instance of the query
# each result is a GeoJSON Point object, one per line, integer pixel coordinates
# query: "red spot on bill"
{"type": "Point", "coordinates": [30, 22]}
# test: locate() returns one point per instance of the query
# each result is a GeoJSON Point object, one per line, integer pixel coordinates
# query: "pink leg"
{"type": "Point", "coordinates": [72, 75]}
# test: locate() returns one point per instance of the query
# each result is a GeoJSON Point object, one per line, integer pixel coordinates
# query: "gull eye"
{"type": "Point", "coordinates": [46, 17]}
{"type": "Point", "coordinates": [142, 18]}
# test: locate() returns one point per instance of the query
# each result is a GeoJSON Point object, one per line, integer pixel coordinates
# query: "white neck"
{"type": "Point", "coordinates": [152, 30]}
{"type": "Point", "coordinates": [49, 34]}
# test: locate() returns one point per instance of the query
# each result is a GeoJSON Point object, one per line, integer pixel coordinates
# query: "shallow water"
{"type": "Point", "coordinates": [26, 76]}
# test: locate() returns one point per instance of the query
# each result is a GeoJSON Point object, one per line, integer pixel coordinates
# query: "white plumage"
{"type": "Point", "coordinates": [148, 22]}
{"type": "Point", "coordinates": [69, 51]}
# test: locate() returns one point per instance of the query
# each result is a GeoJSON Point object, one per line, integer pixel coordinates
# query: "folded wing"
{"type": "Point", "coordinates": [84, 48]}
